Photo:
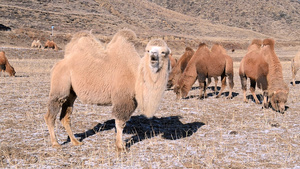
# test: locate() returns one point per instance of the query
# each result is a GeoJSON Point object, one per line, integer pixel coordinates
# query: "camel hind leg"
{"type": "Point", "coordinates": [50, 117]}
{"type": "Point", "coordinates": [231, 84]}
{"type": "Point", "coordinates": [244, 86]}
{"type": "Point", "coordinates": [252, 90]}
{"type": "Point", "coordinates": [65, 117]}
{"type": "Point", "coordinates": [59, 93]}
{"type": "Point", "coordinates": [223, 80]}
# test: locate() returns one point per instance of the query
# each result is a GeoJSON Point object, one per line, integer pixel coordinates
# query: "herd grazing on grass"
{"type": "Point", "coordinates": [115, 75]}
{"type": "Point", "coordinates": [205, 64]}
{"type": "Point", "coordinates": [5, 66]}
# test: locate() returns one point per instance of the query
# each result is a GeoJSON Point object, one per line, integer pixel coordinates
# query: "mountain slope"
{"type": "Point", "coordinates": [181, 24]}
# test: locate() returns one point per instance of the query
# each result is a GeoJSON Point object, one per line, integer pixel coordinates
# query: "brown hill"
{"type": "Point", "coordinates": [181, 23]}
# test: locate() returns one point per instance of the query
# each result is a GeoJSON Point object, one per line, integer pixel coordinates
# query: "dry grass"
{"type": "Point", "coordinates": [190, 133]}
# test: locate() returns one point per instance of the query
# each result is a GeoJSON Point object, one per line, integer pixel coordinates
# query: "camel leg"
{"type": "Point", "coordinates": [265, 102]}
{"type": "Point", "coordinates": [50, 117]}
{"type": "Point", "coordinates": [202, 85]}
{"type": "Point", "coordinates": [244, 86]}
{"type": "Point", "coordinates": [231, 84]}
{"type": "Point", "coordinates": [216, 84]}
{"type": "Point", "coordinates": [223, 80]}
{"type": "Point", "coordinates": [294, 72]}
{"type": "Point", "coordinates": [65, 117]}
{"type": "Point", "coordinates": [123, 107]}
{"type": "Point", "coordinates": [120, 124]}
{"type": "Point", "coordinates": [252, 90]}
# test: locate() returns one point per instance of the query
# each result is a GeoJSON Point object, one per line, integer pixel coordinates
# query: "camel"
{"type": "Point", "coordinates": [278, 90]}
{"type": "Point", "coordinates": [180, 66]}
{"type": "Point", "coordinates": [36, 44]}
{"type": "Point", "coordinates": [173, 61]}
{"type": "Point", "coordinates": [51, 45]}
{"type": "Point", "coordinates": [206, 63]}
{"type": "Point", "coordinates": [295, 64]}
{"type": "Point", "coordinates": [115, 75]}
{"type": "Point", "coordinates": [5, 66]}
{"type": "Point", "coordinates": [254, 67]}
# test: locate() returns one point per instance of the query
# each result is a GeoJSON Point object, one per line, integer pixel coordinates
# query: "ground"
{"type": "Point", "coordinates": [189, 133]}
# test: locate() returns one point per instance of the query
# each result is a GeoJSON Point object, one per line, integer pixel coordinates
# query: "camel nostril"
{"type": "Point", "coordinates": [154, 58]}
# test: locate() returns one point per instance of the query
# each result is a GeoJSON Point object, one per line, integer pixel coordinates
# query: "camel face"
{"type": "Point", "coordinates": [158, 55]}
{"type": "Point", "coordinates": [278, 100]}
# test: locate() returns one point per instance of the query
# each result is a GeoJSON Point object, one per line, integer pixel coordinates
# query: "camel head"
{"type": "Point", "coordinates": [279, 99]}
{"type": "Point", "coordinates": [158, 52]}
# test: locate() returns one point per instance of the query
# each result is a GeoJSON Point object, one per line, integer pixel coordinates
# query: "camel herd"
{"type": "Point", "coordinates": [49, 44]}
{"type": "Point", "coordinates": [115, 74]}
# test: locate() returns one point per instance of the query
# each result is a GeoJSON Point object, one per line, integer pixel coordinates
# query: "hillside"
{"type": "Point", "coordinates": [180, 23]}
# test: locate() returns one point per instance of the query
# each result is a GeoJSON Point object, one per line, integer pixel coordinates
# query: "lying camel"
{"type": "Point", "coordinates": [278, 90]}
{"type": "Point", "coordinates": [295, 64]}
{"type": "Point", "coordinates": [5, 66]}
{"type": "Point", "coordinates": [204, 64]}
{"type": "Point", "coordinates": [36, 44]}
{"type": "Point", "coordinates": [254, 67]}
{"type": "Point", "coordinates": [51, 45]}
{"type": "Point", "coordinates": [115, 75]}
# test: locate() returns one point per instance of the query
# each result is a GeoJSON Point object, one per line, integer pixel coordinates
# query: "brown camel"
{"type": "Point", "coordinates": [51, 45]}
{"type": "Point", "coordinates": [115, 76]}
{"type": "Point", "coordinates": [180, 66]}
{"type": "Point", "coordinates": [278, 90]}
{"type": "Point", "coordinates": [206, 63]}
{"type": "Point", "coordinates": [254, 67]}
{"type": "Point", "coordinates": [5, 66]}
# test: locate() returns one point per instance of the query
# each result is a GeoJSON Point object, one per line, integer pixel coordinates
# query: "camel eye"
{"type": "Point", "coordinates": [163, 52]}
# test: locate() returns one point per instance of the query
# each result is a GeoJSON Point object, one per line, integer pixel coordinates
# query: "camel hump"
{"type": "Point", "coordinates": [256, 42]}
{"type": "Point", "coordinates": [188, 49]}
{"type": "Point", "coordinates": [269, 42]}
{"type": "Point", "coordinates": [127, 34]}
{"type": "Point", "coordinates": [201, 44]}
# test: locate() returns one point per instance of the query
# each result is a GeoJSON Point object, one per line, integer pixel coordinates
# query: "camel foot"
{"type": "Point", "coordinates": [56, 145]}
{"type": "Point", "coordinates": [245, 101]}
{"type": "Point", "coordinates": [229, 97]}
{"type": "Point", "coordinates": [77, 143]}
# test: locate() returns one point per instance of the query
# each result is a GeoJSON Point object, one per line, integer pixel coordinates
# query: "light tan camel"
{"type": "Point", "coordinates": [115, 76]}
{"type": "Point", "coordinates": [36, 44]}
{"type": "Point", "coordinates": [295, 64]}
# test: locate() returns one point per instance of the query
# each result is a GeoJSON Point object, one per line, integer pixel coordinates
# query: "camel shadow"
{"type": "Point", "coordinates": [296, 82]}
{"type": "Point", "coordinates": [259, 97]}
{"type": "Point", "coordinates": [211, 94]}
{"type": "Point", "coordinates": [170, 128]}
